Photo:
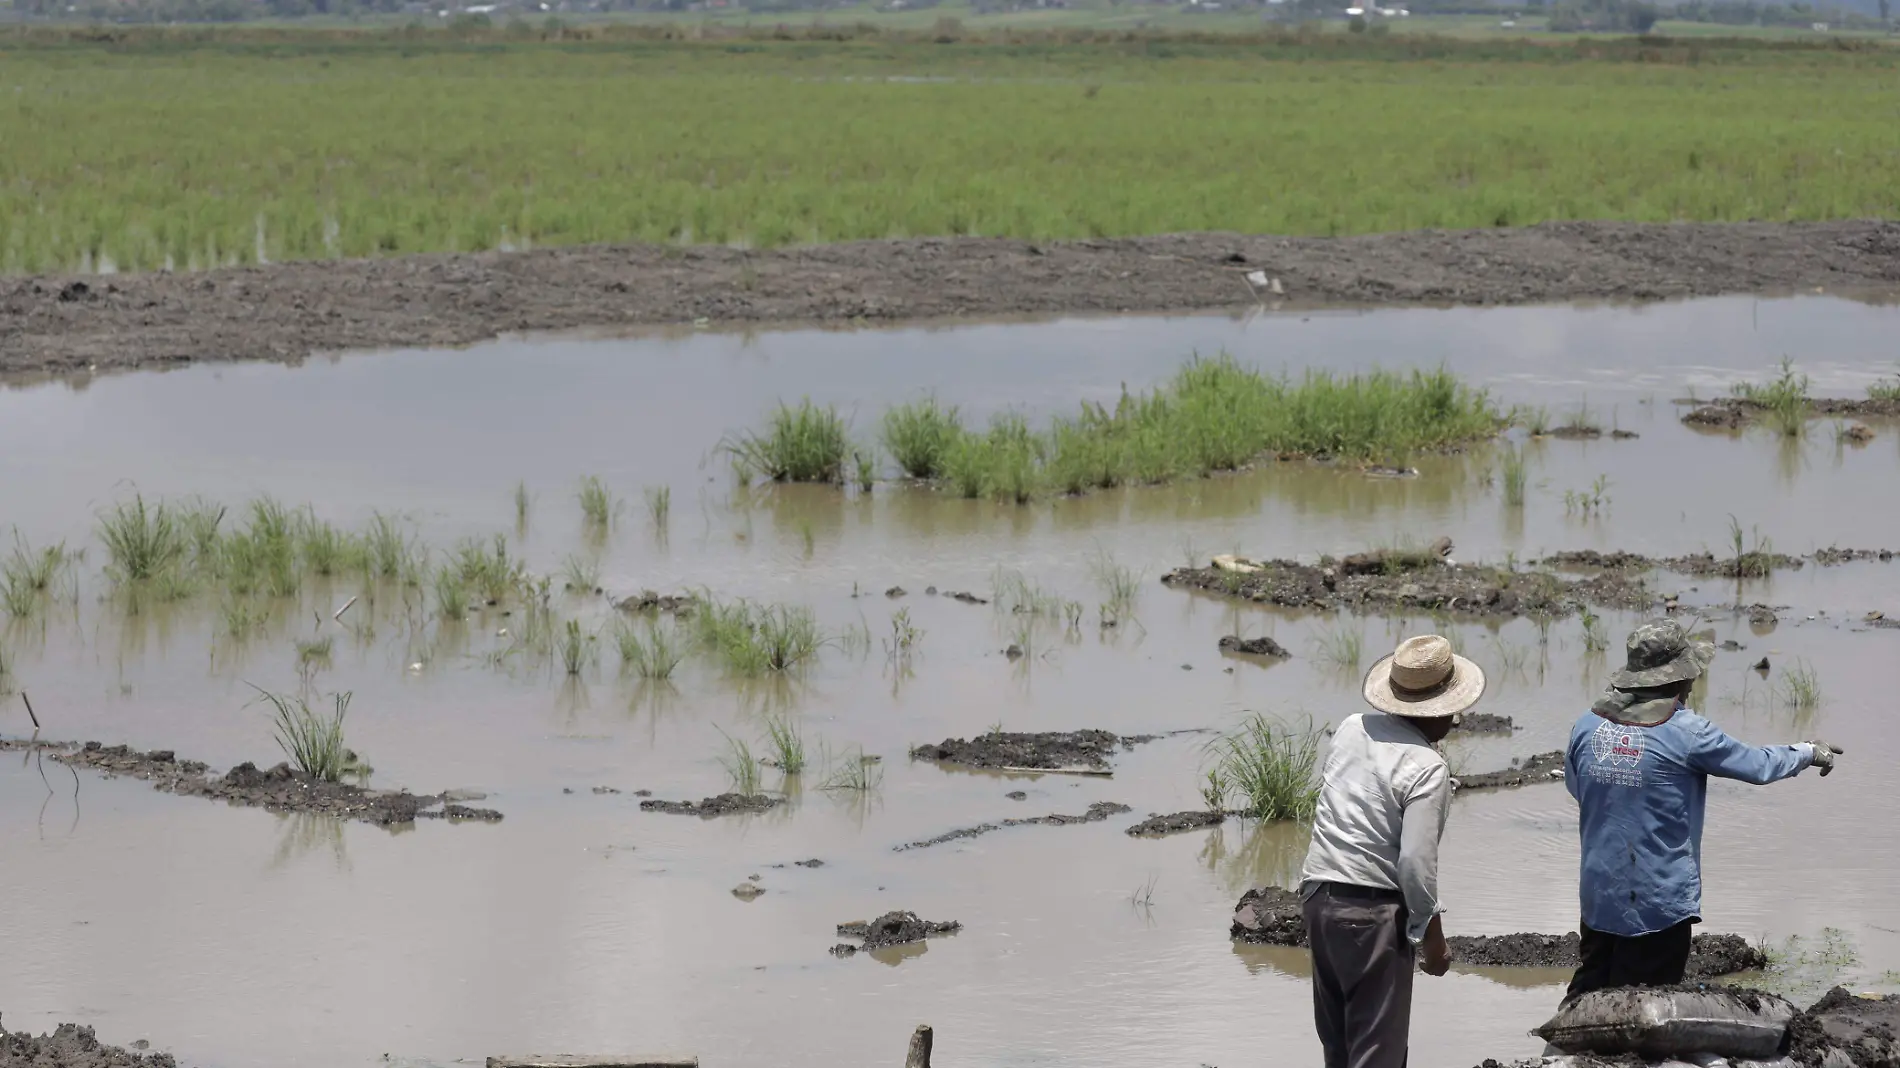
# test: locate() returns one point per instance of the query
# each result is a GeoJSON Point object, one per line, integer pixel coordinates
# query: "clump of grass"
{"type": "Point", "coordinates": [599, 507]}
{"type": "Point", "coordinates": [905, 636]}
{"type": "Point", "coordinates": [1581, 421]}
{"type": "Point", "coordinates": [324, 550]}
{"type": "Point", "coordinates": [1750, 563]}
{"type": "Point", "coordinates": [1342, 645]}
{"type": "Point", "coordinates": [451, 595]}
{"type": "Point", "coordinates": [312, 741]}
{"type": "Point", "coordinates": [522, 503]}
{"type": "Point", "coordinates": [1595, 639]}
{"type": "Point", "coordinates": [1588, 502]}
{"type": "Point", "coordinates": [803, 444]}
{"type": "Point", "coordinates": [920, 436]}
{"type": "Point", "coordinates": [741, 766]}
{"type": "Point", "coordinates": [28, 576]}
{"type": "Point", "coordinates": [866, 463]}
{"type": "Point", "coordinates": [576, 648]}
{"type": "Point", "coordinates": [659, 506]}
{"type": "Point", "coordinates": [758, 639]}
{"type": "Point", "coordinates": [1535, 421]}
{"type": "Point", "coordinates": [1013, 592]}
{"type": "Point", "coordinates": [787, 744]}
{"type": "Point", "coordinates": [1269, 768]}
{"type": "Point", "coordinates": [1785, 398]}
{"type": "Point", "coordinates": [1215, 789]}
{"type": "Point", "coordinates": [1120, 586]}
{"type": "Point", "coordinates": [1887, 390]}
{"type": "Point", "coordinates": [389, 552]}
{"type": "Point", "coordinates": [656, 655]}
{"type": "Point", "coordinates": [1512, 468]}
{"type": "Point", "coordinates": [854, 772]}
{"type": "Point", "coordinates": [580, 574]}
{"type": "Point", "coordinates": [1801, 687]}
{"type": "Point", "coordinates": [143, 541]}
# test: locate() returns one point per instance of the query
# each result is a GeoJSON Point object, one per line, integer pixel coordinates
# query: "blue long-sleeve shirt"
{"type": "Point", "coordinates": [1640, 794]}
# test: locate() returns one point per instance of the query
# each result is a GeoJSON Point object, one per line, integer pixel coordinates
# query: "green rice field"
{"type": "Point", "coordinates": [141, 149]}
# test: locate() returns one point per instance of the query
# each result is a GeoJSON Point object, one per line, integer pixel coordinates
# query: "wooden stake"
{"type": "Point", "coordinates": [920, 1041]}
{"type": "Point", "coordinates": [29, 710]}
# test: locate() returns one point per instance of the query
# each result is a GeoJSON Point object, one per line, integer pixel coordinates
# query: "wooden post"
{"type": "Point", "coordinates": [919, 1055]}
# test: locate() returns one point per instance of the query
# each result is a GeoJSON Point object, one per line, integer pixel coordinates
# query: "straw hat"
{"type": "Point", "coordinates": [1424, 679]}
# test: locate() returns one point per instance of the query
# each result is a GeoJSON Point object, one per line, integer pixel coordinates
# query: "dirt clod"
{"type": "Point", "coordinates": [967, 598]}
{"type": "Point", "coordinates": [728, 804]}
{"type": "Point", "coordinates": [1262, 646]}
{"type": "Point", "coordinates": [1160, 826]}
{"type": "Point", "coordinates": [1865, 1032]}
{"type": "Point", "coordinates": [1270, 916]}
{"type": "Point", "coordinates": [1544, 767]}
{"type": "Point", "coordinates": [1096, 813]}
{"type": "Point", "coordinates": [1042, 751]}
{"type": "Point", "coordinates": [894, 929]}
{"type": "Point", "coordinates": [72, 1046]}
{"type": "Point", "coordinates": [649, 601]}
{"type": "Point", "coordinates": [279, 789]}
{"type": "Point", "coordinates": [1484, 723]}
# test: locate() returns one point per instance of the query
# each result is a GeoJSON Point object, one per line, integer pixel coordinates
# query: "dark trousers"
{"type": "Point", "coordinates": [1657, 959]}
{"type": "Point", "coordinates": [1362, 975]}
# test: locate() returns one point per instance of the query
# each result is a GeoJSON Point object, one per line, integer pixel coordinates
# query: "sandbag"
{"type": "Point", "coordinates": [1680, 1022]}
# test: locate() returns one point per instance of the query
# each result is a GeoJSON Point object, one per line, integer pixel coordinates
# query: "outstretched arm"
{"type": "Point", "coordinates": [1426, 810]}
{"type": "Point", "coordinates": [1715, 753]}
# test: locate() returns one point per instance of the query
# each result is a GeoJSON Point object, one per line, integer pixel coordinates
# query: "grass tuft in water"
{"type": "Point", "coordinates": [28, 576]}
{"type": "Point", "coordinates": [580, 574]}
{"type": "Point", "coordinates": [522, 503]}
{"type": "Point", "coordinates": [599, 507]}
{"type": "Point", "coordinates": [920, 436]}
{"type": "Point", "coordinates": [451, 595]}
{"type": "Point", "coordinates": [314, 651]}
{"type": "Point", "coordinates": [389, 552]}
{"type": "Point", "coordinates": [1757, 562]}
{"type": "Point", "coordinates": [142, 541]}
{"type": "Point", "coordinates": [741, 766]}
{"type": "Point", "coordinates": [758, 639]}
{"type": "Point", "coordinates": [1887, 390]}
{"type": "Point", "coordinates": [1595, 639]}
{"type": "Point", "coordinates": [1785, 398]}
{"type": "Point", "coordinates": [312, 740]}
{"type": "Point", "coordinates": [576, 648]}
{"type": "Point", "coordinates": [654, 655]}
{"type": "Point", "coordinates": [1342, 645]}
{"type": "Point", "coordinates": [1120, 586]}
{"type": "Point", "coordinates": [659, 506]}
{"type": "Point", "coordinates": [1512, 467]}
{"type": "Point", "coordinates": [1269, 768]}
{"type": "Point", "coordinates": [803, 444]}
{"type": "Point", "coordinates": [1801, 687]}
{"type": "Point", "coordinates": [854, 772]}
{"type": "Point", "coordinates": [787, 744]}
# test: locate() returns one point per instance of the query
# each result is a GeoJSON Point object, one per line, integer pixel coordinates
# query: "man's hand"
{"type": "Point", "coordinates": [1437, 953]}
{"type": "Point", "coordinates": [1824, 755]}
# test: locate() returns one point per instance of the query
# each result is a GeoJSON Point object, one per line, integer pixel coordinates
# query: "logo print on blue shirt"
{"type": "Point", "coordinates": [1617, 751]}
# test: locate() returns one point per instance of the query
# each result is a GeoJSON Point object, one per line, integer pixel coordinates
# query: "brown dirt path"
{"type": "Point", "coordinates": [288, 311]}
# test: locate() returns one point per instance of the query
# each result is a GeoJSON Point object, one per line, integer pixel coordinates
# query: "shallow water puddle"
{"type": "Point", "coordinates": [235, 936]}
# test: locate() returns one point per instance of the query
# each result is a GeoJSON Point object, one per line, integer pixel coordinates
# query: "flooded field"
{"type": "Point", "coordinates": [238, 937]}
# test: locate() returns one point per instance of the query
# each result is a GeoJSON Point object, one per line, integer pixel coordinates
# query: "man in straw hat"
{"type": "Point", "coordinates": [1639, 764]}
{"type": "Point", "coordinates": [1370, 882]}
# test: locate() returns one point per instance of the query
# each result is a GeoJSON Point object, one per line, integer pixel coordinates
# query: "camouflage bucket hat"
{"type": "Point", "coordinates": [1661, 652]}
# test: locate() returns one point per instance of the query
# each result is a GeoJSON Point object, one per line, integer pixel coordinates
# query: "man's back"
{"type": "Point", "coordinates": [1376, 766]}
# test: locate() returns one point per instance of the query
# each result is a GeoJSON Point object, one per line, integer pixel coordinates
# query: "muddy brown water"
{"type": "Point", "coordinates": [240, 937]}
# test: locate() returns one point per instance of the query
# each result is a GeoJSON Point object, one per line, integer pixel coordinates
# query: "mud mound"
{"type": "Point", "coordinates": [890, 929]}
{"type": "Point", "coordinates": [1270, 916]}
{"type": "Point", "coordinates": [72, 1046]}
{"type": "Point", "coordinates": [1710, 955]}
{"type": "Point", "coordinates": [728, 804]}
{"type": "Point", "coordinates": [1730, 413]}
{"type": "Point", "coordinates": [1544, 767]}
{"type": "Point", "coordinates": [1096, 813]}
{"type": "Point", "coordinates": [280, 789]}
{"type": "Point", "coordinates": [1233, 643]}
{"type": "Point", "coordinates": [1484, 723]}
{"type": "Point", "coordinates": [1161, 826]}
{"type": "Point", "coordinates": [1436, 586]}
{"type": "Point", "coordinates": [1842, 1029]}
{"type": "Point", "coordinates": [1833, 555]}
{"type": "Point", "coordinates": [647, 601]}
{"type": "Point", "coordinates": [1045, 751]}
{"type": "Point", "coordinates": [288, 311]}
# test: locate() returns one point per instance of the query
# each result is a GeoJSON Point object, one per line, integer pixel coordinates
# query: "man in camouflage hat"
{"type": "Point", "coordinates": [1639, 764]}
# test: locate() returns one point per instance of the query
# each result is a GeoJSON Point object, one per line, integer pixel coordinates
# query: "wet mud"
{"type": "Point", "coordinates": [1270, 915]}
{"type": "Point", "coordinates": [1733, 413]}
{"type": "Point", "coordinates": [1076, 751]}
{"type": "Point", "coordinates": [1162, 826]}
{"type": "Point", "coordinates": [1843, 1030]}
{"type": "Point", "coordinates": [727, 804]}
{"type": "Point", "coordinates": [1434, 587]}
{"type": "Point", "coordinates": [1263, 646]}
{"type": "Point", "coordinates": [890, 929]}
{"type": "Point", "coordinates": [1710, 955]}
{"type": "Point", "coordinates": [1543, 767]}
{"type": "Point", "coordinates": [278, 789]}
{"type": "Point", "coordinates": [72, 1046]}
{"type": "Point", "coordinates": [647, 601]}
{"type": "Point", "coordinates": [1484, 723]}
{"type": "Point", "coordinates": [289, 311]}
{"type": "Point", "coordinates": [1096, 813]}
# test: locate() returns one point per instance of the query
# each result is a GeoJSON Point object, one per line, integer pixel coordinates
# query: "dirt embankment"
{"type": "Point", "coordinates": [1733, 413]}
{"type": "Point", "coordinates": [890, 929]}
{"type": "Point", "coordinates": [1528, 771]}
{"type": "Point", "coordinates": [1433, 586]}
{"type": "Point", "coordinates": [1096, 813]}
{"type": "Point", "coordinates": [279, 789]}
{"type": "Point", "coordinates": [72, 1046]}
{"type": "Point", "coordinates": [288, 311]}
{"type": "Point", "coordinates": [1085, 751]}
{"type": "Point", "coordinates": [728, 804]}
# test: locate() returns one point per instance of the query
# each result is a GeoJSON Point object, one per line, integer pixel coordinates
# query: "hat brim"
{"type": "Point", "coordinates": [1460, 692]}
{"type": "Point", "coordinates": [1691, 664]}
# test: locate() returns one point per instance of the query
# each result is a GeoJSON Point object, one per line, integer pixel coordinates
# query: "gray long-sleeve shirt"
{"type": "Point", "coordinates": [1384, 797]}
